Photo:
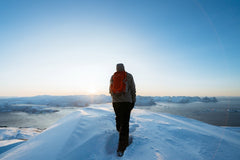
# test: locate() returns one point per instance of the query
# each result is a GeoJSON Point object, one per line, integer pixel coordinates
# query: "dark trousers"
{"type": "Point", "coordinates": [122, 111]}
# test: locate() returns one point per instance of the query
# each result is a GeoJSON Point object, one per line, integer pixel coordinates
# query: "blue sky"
{"type": "Point", "coordinates": [174, 48]}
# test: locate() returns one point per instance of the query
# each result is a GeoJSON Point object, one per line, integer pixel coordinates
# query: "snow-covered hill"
{"type": "Point", "coordinates": [90, 133]}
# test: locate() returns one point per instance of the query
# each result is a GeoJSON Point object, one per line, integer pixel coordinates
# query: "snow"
{"type": "Point", "coordinates": [89, 133]}
{"type": "Point", "coordinates": [11, 136]}
{"type": "Point", "coordinates": [7, 133]}
{"type": "Point", "coordinates": [6, 145]}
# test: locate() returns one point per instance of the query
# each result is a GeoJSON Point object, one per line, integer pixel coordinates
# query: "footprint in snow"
{"type": "Point", "coordinates": [112, 143]}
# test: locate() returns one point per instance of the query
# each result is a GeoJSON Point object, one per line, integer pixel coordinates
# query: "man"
{"type": "Point", "coordinates": [123, 92]}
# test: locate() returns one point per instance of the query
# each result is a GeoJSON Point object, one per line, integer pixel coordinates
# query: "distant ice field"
{"type": "Point", "coordinates": [225, 112]}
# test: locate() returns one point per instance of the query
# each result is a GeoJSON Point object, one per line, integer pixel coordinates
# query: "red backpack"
{"type": "Point", "coordinates": [118, 84]}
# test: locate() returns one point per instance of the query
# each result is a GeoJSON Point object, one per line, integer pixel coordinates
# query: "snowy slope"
{"type": "Point", "coordinates": [8, 133]}
{"type": "Point", "coordinates": [90, 134]}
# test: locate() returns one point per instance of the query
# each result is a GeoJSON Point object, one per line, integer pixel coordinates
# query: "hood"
{"type": "Point", "coordinates": [120, 67]}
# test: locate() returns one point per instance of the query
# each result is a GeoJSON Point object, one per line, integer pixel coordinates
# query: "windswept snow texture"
{"type": "Point", "coordinates": [89, 133]}
{"type": "Point", "coordinates": [11, 137]}
{"type": "Point", "coordinates": [41, 104]}
{"type": "Point", "coordinates": [9, 133]}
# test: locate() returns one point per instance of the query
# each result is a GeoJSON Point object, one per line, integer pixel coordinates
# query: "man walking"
{"type": "Point", "coordinates": [123, 92]}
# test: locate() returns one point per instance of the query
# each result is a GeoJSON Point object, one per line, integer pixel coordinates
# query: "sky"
{"type": "Point", "coordinates": [71, 47]}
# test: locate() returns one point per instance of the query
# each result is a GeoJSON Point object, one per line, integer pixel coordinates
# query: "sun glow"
{"type": "Point", "coordinates": [92, 91]}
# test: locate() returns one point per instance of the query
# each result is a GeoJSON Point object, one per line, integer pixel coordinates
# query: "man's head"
{"type": "Point", "coordinates": [120, 67]}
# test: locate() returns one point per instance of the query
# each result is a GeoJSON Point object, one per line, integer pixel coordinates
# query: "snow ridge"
{"type": "Point", "coordinates": [90, 134]}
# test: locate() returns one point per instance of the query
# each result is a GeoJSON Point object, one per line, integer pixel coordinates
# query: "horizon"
{"type": "Point", "coordinates": [182, 48]}
{"type": "Point", "coordinates": [1, 97]}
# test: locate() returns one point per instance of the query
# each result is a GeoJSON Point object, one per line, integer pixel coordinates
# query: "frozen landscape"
{"type": "Point", "coordinates": [41, 104]}
{"type": "Point", "coordinates": [26, 111]}
{"type": "Point", "coordinates": [178, 60]}
{"type": "Point", "coordinates": [89, 133]}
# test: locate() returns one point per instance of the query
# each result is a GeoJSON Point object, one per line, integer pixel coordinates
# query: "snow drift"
{"type": "Point", "coordinates": [9, 133]}
{"type": "Point", "coordinates": [11, 136]}
{"type": "Point", "coordinates": [90, 133]}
